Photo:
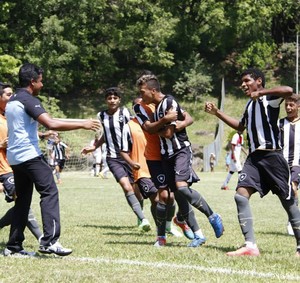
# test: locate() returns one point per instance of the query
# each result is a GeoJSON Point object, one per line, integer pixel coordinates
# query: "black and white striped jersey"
{"type": "Point", "coordinates": [180, 139]}
{"type": "Point", "coordinates": [290, 141]}
{"type": "Point", "coordinates": [261, 121]}
{"type": "Point", "coordinates": [60, 151]}
{"type": "Point", "coordinates": [113, 127]}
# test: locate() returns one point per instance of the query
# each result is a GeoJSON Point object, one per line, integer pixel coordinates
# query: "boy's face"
{"type": "Point", "coordinates": [291, 108]}
{"type": "Point", "coordinates": [250, 84]}
{"type": "Point", "coordinates": [113, 102]}
{"type": "Point", "coordinates": [146, 93]}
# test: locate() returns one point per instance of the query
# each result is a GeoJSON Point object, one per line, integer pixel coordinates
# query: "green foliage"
{"type": "Point", "coordinates": [9, 67]}
{"type": "Point", "coordinates": [86, 46]}
{"type": "Point", "coordinates": [287, 64]}
{"type": "Point", "coordinates": [257, 54]}
{"type": "Point", "coordinates": [193, 83]}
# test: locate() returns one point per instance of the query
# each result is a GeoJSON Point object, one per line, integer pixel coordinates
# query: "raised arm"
{"type": "Point", "coordinates": [230, 121]}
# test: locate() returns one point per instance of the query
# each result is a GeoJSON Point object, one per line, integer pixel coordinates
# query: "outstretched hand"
{"type": "Point", "coordinates": [87, 150]}
{"type": "Point", "coordinates": [92, 124]}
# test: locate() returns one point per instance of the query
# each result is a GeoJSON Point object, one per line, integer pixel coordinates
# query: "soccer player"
{"type": "Point", "coordinates": [190, 228]}
{"type": "Point", "coordinates": [265, 168]}
{"type": "Point", "coordinates": [235, 165]}
{"type": "Point", "coordinates": [113, 120]}
{"type": "Point", "coordinates": [290, 142]}
{"type": "Point", "coordinates": [61, 153]}
{"type": "Point", "coordinates": [133, 152]}
{"type": "Point", "coordinates": [175, 150]}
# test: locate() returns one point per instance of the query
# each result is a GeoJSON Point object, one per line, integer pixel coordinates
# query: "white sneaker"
{"type": "Point", "coordinates": [173, 231]}
{"type": "Point", "coordinates": [56, 248]}
{"type": "Point", "coordinates": [145, 225]}
{"type": "Point", "coordinates": [290, 229]}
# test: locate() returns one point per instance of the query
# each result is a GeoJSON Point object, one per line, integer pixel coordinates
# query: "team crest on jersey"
{"type": "Point", "coordinates": [146, 188]}
{"type": "Point", "coordinates": [161, 178]}
{"type": "Point", "coordinates": [121, 118]}
{"type": "Point", "coordinates": [11, 180]}
{"type": "Point", "coordinates": [242, 177]}
{"type": "Point", "coordinates": [161, 115]}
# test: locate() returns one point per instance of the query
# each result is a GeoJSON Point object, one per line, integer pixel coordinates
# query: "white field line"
{"type": "Point", "coordinates": [219, 270]}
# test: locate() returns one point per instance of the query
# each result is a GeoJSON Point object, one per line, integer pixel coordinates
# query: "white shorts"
{"type": "Point", "coordinates": [235, 166]}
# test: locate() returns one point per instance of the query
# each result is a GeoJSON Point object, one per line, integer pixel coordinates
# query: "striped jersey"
{"type": "Point", "coordinates": [168, 147]}
{"type": "Point", "coordinates": [261, 121]}
{"type": "Point", "coordinates": [290, 140]}
{"type": "Point", "coordinates": [59, 150]}
{"type": "Point", "coordinates": [113, 127]}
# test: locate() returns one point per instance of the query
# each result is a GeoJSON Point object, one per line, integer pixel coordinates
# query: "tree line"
{"type": "Point", "coordinates": [85, 46]}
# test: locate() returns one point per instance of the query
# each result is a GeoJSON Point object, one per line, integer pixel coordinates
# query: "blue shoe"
{"type": "Point", "coordinates": [216, 222]}
{"type": "Point", "coordinates": [198, 241]}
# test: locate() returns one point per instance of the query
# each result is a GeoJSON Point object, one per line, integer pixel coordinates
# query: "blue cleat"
{"type": "Point", "coordinates": [198, 241]}
{"type": "Point", "coordinates": [216, 222]}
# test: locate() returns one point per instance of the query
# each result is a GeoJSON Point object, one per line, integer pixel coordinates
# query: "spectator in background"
{"type": "Point", "coordinates": [104, 167]}
{"type": "Point", "coordinates": [97, 156]}
{"type": "Point", "coordinates": [61, 153]}
{"type": "Point", "coordinates": [212, 161]}
{"type": "Point", "coordinates": [235, 165]}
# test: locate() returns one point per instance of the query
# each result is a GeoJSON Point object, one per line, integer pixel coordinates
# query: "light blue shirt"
{"type": "Point", "coordinates": [21, 113]}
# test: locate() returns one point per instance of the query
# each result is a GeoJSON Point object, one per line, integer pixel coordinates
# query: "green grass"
{"type": "Point", "coordinates": [99, 226]}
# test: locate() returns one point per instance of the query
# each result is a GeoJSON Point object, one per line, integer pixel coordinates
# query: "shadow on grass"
{"type": "Point", "coordinates": [274, 233]}
{"type": "Point", "coordinates": [110, 227]}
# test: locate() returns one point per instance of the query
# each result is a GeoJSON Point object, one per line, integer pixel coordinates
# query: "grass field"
{"type": "Point", "coordinates": [107, 246]}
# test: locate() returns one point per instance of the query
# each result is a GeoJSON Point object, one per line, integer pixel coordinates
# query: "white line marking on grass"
{"type": "Point", "coordinates": [219, 270]}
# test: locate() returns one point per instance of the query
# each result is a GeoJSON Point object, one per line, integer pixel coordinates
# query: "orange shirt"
{"type": "Point", "coordinates": [4, 166]}
{"type": "Point", "coordinates": [152, 151]}
{"type": "Point", "coordinates": [138, 150]}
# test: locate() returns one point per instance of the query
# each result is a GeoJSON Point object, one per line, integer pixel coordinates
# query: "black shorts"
{"type": "Point", "coordinates": [179, 168]}
{"type": "Point", "coordinates": [266, 171]}
{"type": "Point", "coordinates": [119, 168]}
{"type": "Point", "coordinates": [146, 187]}
{"type": "Point", "coordinates": [295, 174]}
{"type": "Point", "coordinates": [157, 173]}
{"type": "Point", "coordinates": [60, 163]}
{"type": "Point", "coordinates": [9, 186]}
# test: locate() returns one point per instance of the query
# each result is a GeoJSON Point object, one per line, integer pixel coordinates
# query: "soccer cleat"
{"type": "Point", "coordinates": [160, 242]}
{"type": "Point", "coordinates": [197, 241]}
{"type": "Point", "coordinates": [22, 253]}
{"type": "Point", "coordinates": [224, 188]}
{"type": "Point", "coordinates": [145, 225]}
{"type": "Point", "coordinates": [186, 230]}
{"type": "Point", "coordinates": [216, 222]}
{"type": "Point", "coordinates": [245, 251]}
{"type": "Point", "coordinates": [56, 248]}
{"type": "Point", "coordinates": [173, 231]}
{"type": "Point", "coordinates": [290, 229]}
